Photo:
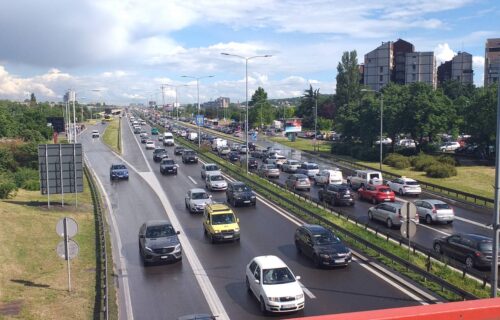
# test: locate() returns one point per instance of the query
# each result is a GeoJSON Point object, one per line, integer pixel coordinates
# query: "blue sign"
{"type": "Point", "coordinates": [254, 136]}
{"type": "Point", "coordinates": [200, 120]}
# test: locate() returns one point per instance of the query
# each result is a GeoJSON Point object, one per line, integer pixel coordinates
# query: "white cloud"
{"type": "Point", "coordinates": [478, 62]}
{"type": "Point", "coordinates": [443, 53]}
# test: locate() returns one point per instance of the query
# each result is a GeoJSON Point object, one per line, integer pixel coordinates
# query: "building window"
{"type": "Point", "coordinates": [381, 69]}
{"type": "Point", "coordinates": [414, 67]}
{"type": "Point", "coordinates": [381, 78]}
{"type": "Point", "coordinates": [369, 60]}
{"type": "Point", "coordinates": [413, 77]}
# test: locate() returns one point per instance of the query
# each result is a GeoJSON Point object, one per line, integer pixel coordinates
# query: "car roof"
{"type": "Point", "coordinates": [215, 207]}
{"type": "Point", "coordinates": [476, 237]}
{"type": "Point", "coordinates": [269, 262]}
{"type": "Point", "coordinates": [150, 223]}
{"type": "Point", "coordinates": [314, 228]}
{"type": "Point", "coordinates": [197, 190]}
{"type": "Point", "coordinates": [394, 204]}
{"type": "Point", "coordinates": [433, 201]}
{"type": "Point", "coordinates": [300, 175]}
{"type": "Point", "coordinates": [408, 179]}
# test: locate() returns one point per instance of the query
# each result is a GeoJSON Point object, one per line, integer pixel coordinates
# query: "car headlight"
{"type": "Point", "coordinates": [217, 231]}
{"type": "Point", "coordinates": [252, 197]}
{"type": "Point", "coordinates": [237, 230]}
{"type": "Point", "coordinates": [148, 249]}
{"type": "Point", "coordinates": [324, 256]}
{"type": "Point", "coordinates": [299, 296]}
{"type": "Point", "coordinates": [177, 248]}
{"type": "Point", "coordinates": [274, 299]}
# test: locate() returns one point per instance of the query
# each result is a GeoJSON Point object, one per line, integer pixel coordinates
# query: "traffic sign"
{"type": "Point", "coordinates": [71, 227]}
{"type": "Point", "coordinates": [410, 208]}
{"type": "Point", "coordinates": [73, 250]}
{"type": "Point", "coordinates": [408, 230]}
{"type": "Point", "coordinates": [200, 120]}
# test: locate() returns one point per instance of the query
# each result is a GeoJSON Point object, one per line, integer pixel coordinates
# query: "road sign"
{"type": "Point", "coordinates": [412, 227]}
{"type": "Point", "coordinates": [73, 250]}
{"type": "Point", "coordinates": [200, 120]}
{"type": "Point", "coordinates": [71, 227]}
{"type": "Point", "coordinates": [410, 208]}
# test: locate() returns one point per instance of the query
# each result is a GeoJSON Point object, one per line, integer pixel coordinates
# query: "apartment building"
{"type": "Point", "coordinates": [378, 66]}
{"type": "Point", "coordinates": [491, 61]}
{"type": "Point", "coordinates": [421, 67]}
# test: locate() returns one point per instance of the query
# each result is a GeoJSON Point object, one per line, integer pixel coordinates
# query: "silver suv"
{"type": "Point", "coordinates": [390, 213]}
{"type": "Point", "coordinates": [197, 199]}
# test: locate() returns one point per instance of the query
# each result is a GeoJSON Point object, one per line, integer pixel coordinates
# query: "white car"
{"type": "Point", "coordinates": [215, 182]}
{"type": "Point", "coordinates": [209, 168]}
{"type": "Point", "coordinates": [449, 146]}
{"type": "Point", "coordinates": [326, 177]}
{"type": "Point", "coordinates": [197, 199]}
{"type": "Point", "coordinates": [290, 165]}
{"type": "Point", "coordinates": [405, 186]}
{"type": "Point", "coordinates": [274, 285]}
{"type": "Point", "coordinates": [95, 134]}
{"type": "Point", "coordinates": [384, 141]}
{"type": "Point", "coordinates": [150, 144]}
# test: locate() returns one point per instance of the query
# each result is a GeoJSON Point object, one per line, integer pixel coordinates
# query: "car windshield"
{"type": "Point", "coordinates": [212, 168]}
{"type": "Point", "coordinates": [326, 238]}
{"type": "Point", "coordinates": [160, 150]}
{"type": "Point", "coordinates": [241, 188]}
{"type": "Point", "coordinates": [160, 231]}
{"type": "Point", "coordinates": [216, 178]}
{"type": "Point", "coordinates": [199, 196]}
{"type": "Point", "coordinates": [312, 166]}
{"type": "Point", "coordinates": [119, 166]}
{"type": "Point", "coordinates": [271, 166]}
{"type": "Point", "coordinates": [190, 153]}
{"type": "Point", "coordinates": [441, 206]}
{"type": "Point", "coordinates": [384, 190]}
{"type": "Point", "coordinates": [225, 218]}
{"type": "Point", "coordinates": [277, 276]}
{"type": "Point", "coordinates": [167, 161]}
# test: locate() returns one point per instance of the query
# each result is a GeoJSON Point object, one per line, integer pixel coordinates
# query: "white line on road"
{"type": "Point", "coordinates": [433, 229]}
{"type": "Point", "coordinates": [307, 291]}
{"type": "Point", "coordinates": [482, 225]}
{"type": "Point", "coordinates": [192, 180]}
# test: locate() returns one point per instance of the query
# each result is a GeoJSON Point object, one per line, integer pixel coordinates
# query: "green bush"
{"type": "Point", "coordinates": [31, 185]}
{"type": "Point", "coordinates": [24, 178]}
{"type": "Point", "coordinates": [397, 161]}
{"type": "Point", "coordinates": [422, 162]}
{"type": "Point", "coordinates": [7, 161]}
{"type": "Point", "coordinates": [440, 170]}
{"type": "Point", "coordinates": [447, 160]}
{"type": "Point", "coordinates": [7, 185]}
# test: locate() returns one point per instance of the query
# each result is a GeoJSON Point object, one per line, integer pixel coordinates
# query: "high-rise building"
{"type": "Point", "coordinates": [378, 66]}
{"type": "Point", "coordinates": [421, 67]}
{"type": "Point", "coordinates": [444, 72]}
{"type": "Point", "coordinates": [459, 69]}
{"type": "Point", "coordinates": [400, 49]}
{"type": "Point", "coordinates": [491, 61]}
{"type": "Point", "coordinates": [221, 102]}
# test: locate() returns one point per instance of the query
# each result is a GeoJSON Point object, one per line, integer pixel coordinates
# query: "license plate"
{"type": "Point", "coordinates": [164, 257]}
{"type": "Point", "coordinates": [288, 306]}
{"type": "Point", "coordinates": [387, 199]}
{"type": "Point", "coordinates": [246, 201]}
{"type": "Point", "coordinates": [339, 260]}
{"type": "Point", "coordinates": [228, 237]}
{"type": "Point", "coordinates": [347, 196]}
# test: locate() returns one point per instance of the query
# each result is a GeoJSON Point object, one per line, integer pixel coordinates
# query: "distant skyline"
{"type": "Point", "coordinates": [122, 51]}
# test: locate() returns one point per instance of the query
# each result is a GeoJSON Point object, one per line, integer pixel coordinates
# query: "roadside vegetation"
{"type": "Point", "coordinates": [111, 135]}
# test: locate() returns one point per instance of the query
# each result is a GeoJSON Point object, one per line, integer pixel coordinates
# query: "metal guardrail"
{"type": "Point", "coordinates": [101, 302]}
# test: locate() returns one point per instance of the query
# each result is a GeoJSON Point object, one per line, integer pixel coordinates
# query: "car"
{"type": "Point", "coordinates": [268, 171]}
{"type": "Point", "coordinates": [209, 168]}
{"type": "Point", "coordinates": [118, 172]}
{"type": "Point", "coordinates": [238, 193]}
{"type": "Point", "coordinates": [449, 146]}
{"type": "Point", "coordinates": [242, 149]}
{"type": "Point", "coordinates": [309, 169]}
{"type": "Point", "coordinates": [223, 151]}
{"type": "Point", "coordinates": [215, 182]}
{"type": "Point", "coordinates": [158, 242]}
{"type": "Point", "coordinates": [407, 143]}
{"type": "Point", "coordinates": [385, 141]}
{"type": "Point", "coordinates": [274, 285]}
{"type": "Point", "coordinates": [235, 147]}
{"type": "Point", "coordinates": [137, 130]}
{"type": "Point", "coordinates": [257, 153]}
{"type": "Point", "coordinates": [290, 166]}
{"type": "Point", "coordinates": [154, 131]}
{"type": "Point", "coordinates": [336, 194]}
{"type": "Point", "coordinates": [252, 164]}
{"type": "Point", "coordinates": [276, 159]}
{"type": "Point", "coordinates": [376, 193]}
{"type": "Point", "coordinates": [220, 223]}
{"type": "Point", "coordinates": [405, 186]}
{"type": "Point", "coordinates": [197, 199]}
{"type": "Point", "coordinates": [325, 177]}
{"type": "Point", "coordinates": [432, 210]}
{"type": "Point", "coordinates": [150, 144]}
{"type": "Point", "coordinates": [168, 139]}
{"type": "Point", "coordinates": [189, 156]}
{"type": "Point", "coordinates": [95, 133]}
{"type": "Point", "coordinates": [233, 156]}
{"type": "Point", "coordinates": [159, 154]}
{"type": "Point", "coordinates": [252, 146]}
{"type": "Point", "coordinates": [144, 139]}
{"type": "Point", "coordinates": [298, 181]}
{"type": "Point", "coordinates": [390, 214]}
{"type": "Point", "coordinates": [364, 177]}
{"type": "Point", "coordinates": [168, 166]}
{"type": "Point", "coordinates": [322, 246]}
{"type": "Point", "coordinates": [178, 150]}
{"type": "Point", "coordinates": [474, 250]}
{"type": "Point", "coordinates": [198, 316]}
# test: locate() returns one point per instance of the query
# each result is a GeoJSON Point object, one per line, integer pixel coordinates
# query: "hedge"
{"type": "Point", "coordinates": [441, 170]}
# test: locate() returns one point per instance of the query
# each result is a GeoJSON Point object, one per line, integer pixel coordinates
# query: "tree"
{"type": "Point", "coordinates": [262, 112]}
{"type": "Point", "coordinates": [348, 79]}
{"type": "Point", "coordinates": [395, 99]}
{"type": "Point", "coordinates": [32, 100]}
{"type": "Point", "coordinates": [480, 116]}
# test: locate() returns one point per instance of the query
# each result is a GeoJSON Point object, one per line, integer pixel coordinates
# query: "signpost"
{"type": "Point", "coordinates": [408, 227]}
{"type": "Point", "coordinates": [67, 249]}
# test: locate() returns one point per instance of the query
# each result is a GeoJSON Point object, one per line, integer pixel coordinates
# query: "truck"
{"type": "Point", "coordinates": [362, 178]}
{"type": "Point", "coordinates": [217, 143]}
{"type": "Point", "coordinates": [192, 136]}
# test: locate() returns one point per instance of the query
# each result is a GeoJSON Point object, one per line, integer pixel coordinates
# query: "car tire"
{"type": "Point", "coordinates": [469, 262]}
{"type": "Point", "coordinates": [316, 261]}
{"type": "Point", "coordinates": [428, 219]}
{"type": "Point", "coordinates": [437, 248]}
{"type": "Point", "coordinates": [401, 192]}
{"type": "Point", "coordinates": [320, 197]}
{"type": "Point", "coordinates": [370, 215]}
{"type": "Point", "coordinates": [297, 247]}
{"type": "Point", "coordinates": [389, 223]}
{"type": "Point", "coordinates": [262, 306]}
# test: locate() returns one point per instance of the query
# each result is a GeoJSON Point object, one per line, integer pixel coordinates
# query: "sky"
{"type": "Point", "coordinates": [123, 51]}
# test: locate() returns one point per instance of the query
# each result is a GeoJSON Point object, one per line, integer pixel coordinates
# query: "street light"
{"type": "Point", "coordinates": [198, 94]}
{"type": "Point", "coordinates": [246, 95]}
{"type": "Point", "coordinates": [381, 120]}
{"type": "Point", "coordinates": [176, 101]}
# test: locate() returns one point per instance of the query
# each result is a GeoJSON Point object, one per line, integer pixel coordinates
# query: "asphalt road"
{"type": "Point", "coordinates": [264, 231]}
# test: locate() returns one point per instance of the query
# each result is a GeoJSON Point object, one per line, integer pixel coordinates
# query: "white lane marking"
{"type": "Point", "coordinates": [307, 291]}
{"type": "Point", "coordinates": [192, 180]}
{"type": "Point", "coordinates": [474, 223]}
{"type": "Point", "coordinates": [434, 229]}
{"type": "Point", "coordinates": [123, 262]}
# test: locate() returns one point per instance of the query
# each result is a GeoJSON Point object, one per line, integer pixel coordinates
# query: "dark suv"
{"type": "Point", "coordinates": [159, 154]}
{"type": "Point", "coordinates": [238, 193]}
{"type": "Point", "coordinates": [252, 164]}
{"type": "Point", "coordinates": [322, 246]}
{"type": "Point", "coordinates": [189, 156]}
{"type": "Point", "coordinates": [158, 242]}
{"type": "Point", "coordinates": [336, 194]}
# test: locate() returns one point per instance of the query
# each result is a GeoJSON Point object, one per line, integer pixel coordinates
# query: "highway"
{"type": "Point", "coordinates": [168, 291]}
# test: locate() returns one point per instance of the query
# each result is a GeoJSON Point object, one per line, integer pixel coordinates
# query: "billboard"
{"type": "Point", "coordinates": [61, 168]}
{"type": "Point", "coordinates": [293, 125]}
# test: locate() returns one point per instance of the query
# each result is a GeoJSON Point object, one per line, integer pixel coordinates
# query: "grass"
{"type": "Point", "coordinates": [111, 135]}
{"type": "Point", "coordinates": [31, 272]}
{"type": "Point", "coordinates": [478, 180]}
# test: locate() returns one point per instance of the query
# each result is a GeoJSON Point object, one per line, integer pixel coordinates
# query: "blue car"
{"type": "Point", "coordinates": [118, 172]}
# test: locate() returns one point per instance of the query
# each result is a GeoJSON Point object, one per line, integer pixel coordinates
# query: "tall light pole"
{"type": "Point", "coordinates": [381, 120]}
{"type": "Point", "coordinates": [176, 86]}
{"type": "Point", "coordinates": [198, 98]}
{"type": "Point", "coordinates": [315, 95]}
{"type": "Point", "coordinates": [246, 95]}
{"type": "Point", "coordinates": [496, 215]}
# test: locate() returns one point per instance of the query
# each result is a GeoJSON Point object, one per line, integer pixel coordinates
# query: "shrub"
{"type": "Point", "coordinates": [440, 170]}
{"type": "Point", "coordinates": [7, 185]}
{"type": "Point", "coordinates": [397, 161]}
{"type": "Point", "coordinates": [24, 178]}
{"type": "Point", "coordinates": [402, 163]}
{"type": "Point", "coordinates": [26, 154]}
{"type": "Point", "coordinates": [447, 160]}
{"type": "Point", "coordinates": [407, 152]}
{"type": "Point", "coordinates": [31, 185]}
{"type": "Point", "coordinates": [422, 162]}
{"type": "Point", "coordinates": [7, 161]}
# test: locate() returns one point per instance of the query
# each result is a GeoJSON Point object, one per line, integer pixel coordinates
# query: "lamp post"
{"type": "Point", "coordinates": [496, 215]}
{"type": "Point", "coordinates": [246, 95]}
{"type": "Point", "coordinates": [176, 86]}
{"type": "Point", "coordinates": [381, 120]}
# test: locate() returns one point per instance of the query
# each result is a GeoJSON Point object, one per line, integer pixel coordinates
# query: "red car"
{"type": "Point", "coordinates": [376, 193]}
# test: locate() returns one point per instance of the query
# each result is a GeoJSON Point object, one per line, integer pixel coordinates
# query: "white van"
{"type": "Point", "coordinates": [168, 139]}
{"type": "Point", "coordinates": [192, 136]}
{"type": "Point", "coordinates": [326, 177]}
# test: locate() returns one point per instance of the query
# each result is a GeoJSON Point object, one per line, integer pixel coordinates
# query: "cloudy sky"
{"type": "Point", "coordinates": [122, 51]}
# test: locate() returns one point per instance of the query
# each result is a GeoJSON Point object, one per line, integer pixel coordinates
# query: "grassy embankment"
{"type": "Point", "coordinates": [478, 180]}
{"type": "Point", "coordinates": [111, 135]}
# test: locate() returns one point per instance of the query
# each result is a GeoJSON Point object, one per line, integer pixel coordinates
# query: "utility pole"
{"type": "Point", "coordinates": [496, 214]}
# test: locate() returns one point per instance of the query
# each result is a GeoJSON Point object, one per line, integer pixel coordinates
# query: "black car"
{"type": "Point", "coordinates": [474, 250]}
{"type": "Point", "coordinates": [257, 153]}
{"type": "Point", "coordinates": [144, 139]}
{"type": "Point", "coordinates": [252, 163]}
{"type": "Point", "coordinates": [158, 242]}
{"type": "Point", "coordinates": [189, 156]}
{"type": "Point", "coordinates": [252, 146]}
{"type": "Point", "coordinates": [178, 150]}
{"type": "Point", "coordinates": [159, 154]}
{"type": "Point", "coordinates": [322, 246]}
{"type": "Point", "coordinates": [336, 194]}
{"type": "Point", "coordinates": [168, 166]}
{"type": "Point", "coordinates": [118, 172]}
{"type": "Point", "coordinates": [233, 156]}
{"type": "Point", "coordinates": [238, 193]}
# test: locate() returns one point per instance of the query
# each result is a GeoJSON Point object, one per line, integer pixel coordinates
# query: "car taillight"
{"type": "Point", "coordinates": [477, 253]}
{"type": "Point", "coordinates": [434, 211]}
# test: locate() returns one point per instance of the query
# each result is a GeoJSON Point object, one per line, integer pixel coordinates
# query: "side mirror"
{"type": "Point", "coordinates": [178, 232]}
{"type": "Point", "coordinates": [237, 220]}
{"type": "Point", "coordinates": [297, 278]}
{"type": "Point", "coordinates": [208, 221]}
{"type": "Point", "coordinates": [210, 196]}
{"type": "Point", "coordinates": [257, 281]}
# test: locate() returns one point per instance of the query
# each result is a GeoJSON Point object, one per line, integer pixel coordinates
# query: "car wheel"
{"type": "Point", "coordinates": [297, 247]}
{"type": "Point", "coordinates": [428, 219]}
{"type": "Point", "coordinates": [437, 248]}
{"type": "Point", "coordinates": [186, 204]}
{"type": "Point", "coordinates": [389, 223]}
{"type": "Point", "coordinates": [469, 262]}
{"type": "Point", "coordinates": [370, 215]}
{"type": "Point", "coordinates": [262, 306]}
{"type": "Point", "coordinates": [316, 261]}
{"type": "Point", "coordinates": [401, 192]}
{"type": "Point", "coordinates": [247, 283]}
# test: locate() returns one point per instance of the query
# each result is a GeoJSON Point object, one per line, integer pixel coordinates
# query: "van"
{"type": "Point", "coordinates": [363, 178]}
{"type": "Point", "coordinates": [326, 177]}
{"type": "Point", "coordinates": [192, 136]}
{"type": "Point", "coordinates": [168, 139]}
